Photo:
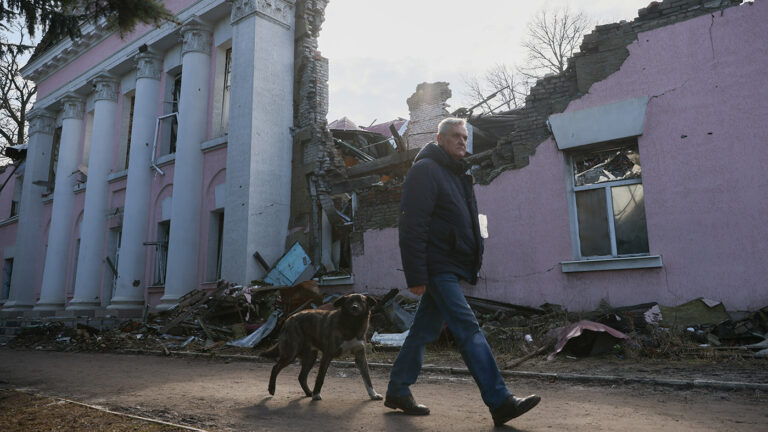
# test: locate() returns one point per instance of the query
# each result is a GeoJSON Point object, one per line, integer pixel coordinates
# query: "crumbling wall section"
{"type": "Point", "coordinates": [316, 162]}
{"type": "Point", "coordinates": [427, 108]}
{"type": "Point", "coordinates": [602, 53]}
{"type": "Point", "coordinates": [379, 207]}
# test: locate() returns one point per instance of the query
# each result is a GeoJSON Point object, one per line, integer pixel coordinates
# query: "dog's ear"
{"type": "Point", "coordinates": [371, 301]}
{"type": "Point", "coordinates": [340, 301]}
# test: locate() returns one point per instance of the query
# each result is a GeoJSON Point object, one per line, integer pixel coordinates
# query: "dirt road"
{"type": "Point", "coordinates": [221, 396]}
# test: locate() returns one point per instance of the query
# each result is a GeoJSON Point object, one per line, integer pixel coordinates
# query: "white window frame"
{"type": "Point", "coordinates": [579, 131]}
{"type": "Point", "coordinates": [606, 187]}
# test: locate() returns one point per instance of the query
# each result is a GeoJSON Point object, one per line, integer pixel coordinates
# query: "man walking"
{"type": "Point", "coordinates": [440, 244]}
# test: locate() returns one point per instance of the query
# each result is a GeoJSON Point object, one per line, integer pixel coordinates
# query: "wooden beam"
{"type": "Point", "coordinates": [382, 163]}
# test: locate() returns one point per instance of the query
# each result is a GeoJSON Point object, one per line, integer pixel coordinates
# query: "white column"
{"type": "Point", "coordinates": [257, 206]}
{"type": "Point", "coordinates": [56, 257]}
{"type": "Point", "coordinates": [90, 261]}
{"type": "Point", "coordinates": [184, 241]}
{"type": "Point", "coordinates": [129, 293]}
{"type": "Point", "coordinates": [29, 235]}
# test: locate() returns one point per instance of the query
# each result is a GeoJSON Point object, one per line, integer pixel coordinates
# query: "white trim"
{"type": "Point", "coordinates": [115, 176]}
{"type": "Point", "coordinates": [119, 57]}
{"type": "Point", "coordinates": [9, 221]}
{"type": "Point", "coordinates": [215, 143]}
{"type": "Point", "coordinates": [611, 220]}
{"type": "Point", "coordinates": [599, 124]}
{"type": "Point", "coordinates": [165, 159]}
{"type": "Point", "coordinates": [624, 263]}
{"type": "Point", "coordinates": [603, 184]}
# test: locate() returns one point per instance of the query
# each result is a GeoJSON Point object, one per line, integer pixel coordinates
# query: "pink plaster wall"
{"type": "Point", "coordinates": [703, 193]}
{"type": "Point", "coordinates": [161, 187]}
{"type": "Point", "coordinates": [379, 268]}
{"type": "Point", "coordinates": [100, 52]}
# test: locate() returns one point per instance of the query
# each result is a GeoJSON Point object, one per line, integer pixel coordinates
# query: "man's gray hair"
{"type": "Point", "coordinates": [449, 123]}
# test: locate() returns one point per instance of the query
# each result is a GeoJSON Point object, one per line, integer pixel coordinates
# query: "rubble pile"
{"type": "Point", "coordinates": [233, 317]}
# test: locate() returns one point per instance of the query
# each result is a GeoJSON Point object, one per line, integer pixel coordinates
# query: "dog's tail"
{"type": "Point", "coordinates": [271, 353]}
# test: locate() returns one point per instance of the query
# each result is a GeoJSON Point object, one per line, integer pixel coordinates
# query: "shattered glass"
{"type": "Point", "coordinates": [629, 219]}
{"type": "Point", "coordinates": [594, 231]}
{"type": "Point", "coordinates": [606, 166]}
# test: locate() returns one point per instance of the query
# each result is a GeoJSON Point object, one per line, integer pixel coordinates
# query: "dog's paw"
{"type": "Point", "coordinates": [317, 397]}
{"type": "Point", "coordinates": [271, 390]}
{"type": "Point", "coordinates": [376, 397]}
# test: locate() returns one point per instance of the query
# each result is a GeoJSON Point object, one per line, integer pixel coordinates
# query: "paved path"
{"type": "Point", "coordinates": [219, 395]}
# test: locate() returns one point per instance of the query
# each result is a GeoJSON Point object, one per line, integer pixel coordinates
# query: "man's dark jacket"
{"type": "Point", "coordinates": [439, 228]}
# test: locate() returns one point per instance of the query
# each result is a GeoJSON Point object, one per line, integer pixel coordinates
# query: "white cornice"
{"type": "Point", "coordinates": [68, 51]}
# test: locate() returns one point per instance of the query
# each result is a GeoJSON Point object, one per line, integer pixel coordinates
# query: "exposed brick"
{"type": "Point", "coordinates": [602, 53]}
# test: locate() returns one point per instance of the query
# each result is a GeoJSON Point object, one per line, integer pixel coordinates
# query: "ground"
{"type": "Point", "coordinates": [222, 395]}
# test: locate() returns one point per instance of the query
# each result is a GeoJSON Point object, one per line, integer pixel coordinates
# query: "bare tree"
{"type": "Point", "coordinates": [500, 88]}
{"type": "Point", "coordinates": [16, 95]}
{"type": "Point", "coordinates": [553, 37]}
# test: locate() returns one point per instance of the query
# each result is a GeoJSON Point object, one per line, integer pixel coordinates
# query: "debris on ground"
{"type": "Point", "coordinates": [389, 339]}
{"type": "Point", "coordinates": [234, 317]}
{"type": "Point", "coordinates": [585, 338]}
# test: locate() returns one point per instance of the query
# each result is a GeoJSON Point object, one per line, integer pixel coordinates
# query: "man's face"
{"type": "Point", "coordinates": [454, 142]}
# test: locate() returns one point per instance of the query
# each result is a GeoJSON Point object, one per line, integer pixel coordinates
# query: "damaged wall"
{"type": "Point", "coordinates": [316, 162]}
{"type": "Point", "coordinates": [601, 54]}
{"type": "Point", "coordinates": [702, 154]}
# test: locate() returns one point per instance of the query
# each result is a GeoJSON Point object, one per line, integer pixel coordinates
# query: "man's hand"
{"type": "Point", "coordinates": [418, 289]}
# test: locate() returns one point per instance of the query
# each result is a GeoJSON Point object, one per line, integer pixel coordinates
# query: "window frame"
{"type": "Point", "coordinates": [615, 261]}
{"type": "Point", "coordinates": [606, 187]}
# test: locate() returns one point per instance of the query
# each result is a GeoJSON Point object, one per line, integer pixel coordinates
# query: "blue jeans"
{"type": "Point", "coordinates": [444, 301]}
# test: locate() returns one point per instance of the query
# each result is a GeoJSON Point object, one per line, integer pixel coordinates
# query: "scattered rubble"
{"type": "Point", "coordinates": [233, 317]}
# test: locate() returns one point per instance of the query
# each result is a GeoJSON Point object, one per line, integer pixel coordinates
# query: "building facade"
{"type": "Point", "coordinates": [632, 177]}
{"type": "Point", "coordinates": [160, 161]}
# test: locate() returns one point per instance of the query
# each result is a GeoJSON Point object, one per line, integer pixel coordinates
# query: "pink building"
{"type": "Point", "coordinates": [159, 162]}
{"type": "Point", "coordinates": [633, 177]}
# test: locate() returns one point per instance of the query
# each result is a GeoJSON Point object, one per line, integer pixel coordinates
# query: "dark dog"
{"type": "Point", "coordinates": [332, 332]}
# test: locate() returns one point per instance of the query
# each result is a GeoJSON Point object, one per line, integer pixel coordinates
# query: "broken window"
{"type": "Point", "coordinates": [7, 272]}
{"type": "Point", "coordinates": [16, 200]}
{"type": "Point", "coordinates": [129, 102]}
{"type": "Point", "coordinates": [226, 90]}
{"type": "Point", "coordinates": [176, 94]}
{"type": "Point", "coordinates": [75, 258]}
{"type": "Point", "coordinates": [89, 117]}
{"type": "Point", "coordinates": [215, 242]}
{"type": "Point", "coordinates": [113, 246]}
{"type": "Point", "coordinates": [54, 161]}
{"type": "Point", "coordinates": [168, 123]}
{"type": "Point", "coordinates": [608, 201]}
{"type": "Point", "coordinates": [161, 252]}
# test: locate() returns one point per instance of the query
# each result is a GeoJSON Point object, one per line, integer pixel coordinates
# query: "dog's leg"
{"type": "Point", "coordinates": [322, 369]}
{"type": "Point", "coordinates": [308, 359]}
{"type": "Point", "coordinates": [281, 363]}
{"type": "Point", "coordinates": [362, 365]}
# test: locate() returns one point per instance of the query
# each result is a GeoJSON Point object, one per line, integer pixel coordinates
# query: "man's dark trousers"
{"type": "Point", "coordinates": [444, 301]}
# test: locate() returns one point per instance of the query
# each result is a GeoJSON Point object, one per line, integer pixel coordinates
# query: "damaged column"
{"type": "Point", "coordinates": [90, 261]}
{"type": "Point", "coordinates": [184, 239]}
{"type": "Point", "coordinates": [257, 206]}
{"type": "Point", "coordinates": [129, 292]}
{"type": "Point", "coordinates": [59, 232]}
{"type": "Point", "coordinates": [29, 235]}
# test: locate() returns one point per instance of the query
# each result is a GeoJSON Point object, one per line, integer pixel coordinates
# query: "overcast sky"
{"type": "Point", "coordinates": [379, 51]}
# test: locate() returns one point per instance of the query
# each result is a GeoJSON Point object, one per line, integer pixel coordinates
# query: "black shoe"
{"type": "Point", "coordinates": [513, 407]}
{"type": "Point", "coordinates": [405, 403]}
